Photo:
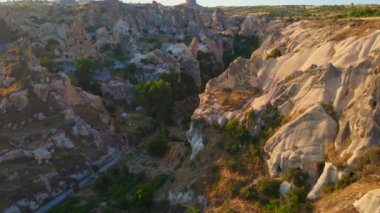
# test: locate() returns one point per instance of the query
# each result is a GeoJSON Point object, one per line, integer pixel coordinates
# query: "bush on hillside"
{"type": "Point", "coordinates": [182, 87]}
{"type": "Point", "coordinates": [159, 146]}
{"type": "Point", "coordinates": [235, 130]}
{"type": "Point", "coordinates": [297, 176]}
{"type": "Point", "coordinates": [268, 188]}
{"type": "Point", "coordinates": [46, 61]}
{"type": "Point", "coordinates": [85, 69]}
{"type": "Point", "coordinates": [157, 96]}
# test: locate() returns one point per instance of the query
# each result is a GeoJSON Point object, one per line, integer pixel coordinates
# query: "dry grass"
{"type": "Point", "coordinates": [231, 100]}
{"type": "Point", "coordinates": [334, 155]}
{"type": "Point", "coordinates": [342, 29]}
{"type": "Point", "coordinates": [342, 199]}
{"type": "Point", "coordinates": [13, 88]}
{"type": "Point", "coordinates": [236, 206]}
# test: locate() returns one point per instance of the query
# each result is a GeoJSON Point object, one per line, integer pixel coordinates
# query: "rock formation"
{"type": "Point", "coordinates": [317, 82]}
{"type": "Point", "coordinates": [370, 202]}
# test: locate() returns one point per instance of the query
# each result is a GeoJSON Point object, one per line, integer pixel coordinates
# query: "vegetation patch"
{"type": "Point", "coordinates": [116, 191]}
{"type": "Point", "coordinates": [158, 147]}
{"type": "Point", "coordinates": [157, 96]}
{"type": "Point", "coordinates": [85, 69]}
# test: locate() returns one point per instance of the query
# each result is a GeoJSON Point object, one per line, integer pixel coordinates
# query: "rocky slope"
{"type": "Point", "coordinates": [52, 133]}
{"type": "Point", "coordinates": [323, 79]}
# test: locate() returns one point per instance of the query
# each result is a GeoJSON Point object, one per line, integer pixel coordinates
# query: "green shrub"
{"type": "Point", "coordinates": [363, 12]}
{"type": "Point", "coordinates": [118, 53]}
{"type": "Point", "coordinates": [187, 39]}
{"type": "Point", "coordinates": [268, 188]}
{"type": "Point", "coordinates": [84, 71]}
{"type": "Point", "coordinates": [192, 210]}
{"type": "Point", "coordinates": [157, 96]}
{"type": "Point", "coordinates": [142, 196]}
{"type": "Point", "coordinates": [105, 48]}
{"type": "Point", "coordinates": [182, 87]}
{"type": "Point", "coordinates": [248, 193]}
{"type": "Point", "coordinates": [298, 177]}
{"type": "Point", "coordinates": [159, 146]}
{"type": "Point", "coordinates": [295, 202]}
{"type": "Point", "coordinates": [46, 61]}
{"type": "Point", "coordinates": [235, 130]}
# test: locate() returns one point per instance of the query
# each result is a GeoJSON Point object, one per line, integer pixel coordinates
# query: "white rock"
{"type": "Point", "coordinates": [41, 153]}
{"type": "Point", "coordinates": [369, 203]}
{"type": "Point", "coordinates": [19, 100]}
{"type": "Point", "coordinates": [61, 141]}
{"type": "Point", "coordinates": [284, 188]}
{"type": "Point", "coordinates": [195, 138]}
{"type": "Point", "coordinates": [329, 175]}
{"type": "Point", "coordinates": [301, 143]}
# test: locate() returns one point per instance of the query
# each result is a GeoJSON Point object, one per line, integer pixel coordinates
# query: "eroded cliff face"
{"type": "Point", "coordinates": [323, 79]}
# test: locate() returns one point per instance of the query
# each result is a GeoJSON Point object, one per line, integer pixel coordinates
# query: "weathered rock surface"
{"type": "Point", "coordinates": [19, 100]}
{"type": "Point", "coordinates": [301, 143]}
{"type": "Point", "coordinates": [370, 202]}
{"type": "Point", "coordinates": [328, 176]}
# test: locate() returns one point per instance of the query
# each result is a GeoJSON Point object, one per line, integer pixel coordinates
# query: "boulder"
{"type": "Point", "coordinates": [69, 115]}
{"type": "Point", "coordinates": [19, 100]}
{"type": "Point", "coordinates": [81, 128]}
{"type": "Point", "coordinates": [105, 118]}
{"type": "Point", "coordinates": [41, 154]}
{"type": "Point", "coordinates": [41, 90]}
{"type": "Point", "coordinates": [61, 141]}
{"type": "Point", "coordinates": [284, 188]}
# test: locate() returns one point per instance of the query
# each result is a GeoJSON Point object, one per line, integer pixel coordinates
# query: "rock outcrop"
{"type": "Point", "coordinates": [370, 202]}
{"type": "Point", "coordinates": [328, 176]}
{"type": "Point", "coordinates": [19, 100]}
{"type": "Point", "coordinates": [301, 143]}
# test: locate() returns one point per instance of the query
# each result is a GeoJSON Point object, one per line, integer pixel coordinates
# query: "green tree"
{"type": "Point", "coordinates": [157, 96]}
{"type": "Point", "coordinates": [183, 87]}
{"type": "Point", "coordinates": [142, 195]}
{"type": "Point", "coordinates": [298, 177]}
{"type": "Point", "coordinates": [159, 146]}
{"type": "Point", "coordinates": [84, 71]}
{"type": "Point", "coordinates": [47, 62]}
